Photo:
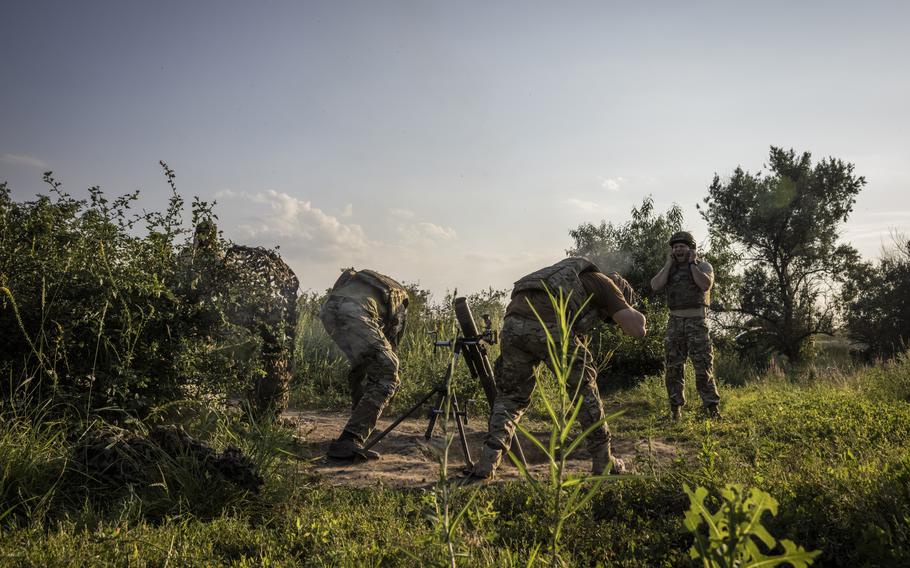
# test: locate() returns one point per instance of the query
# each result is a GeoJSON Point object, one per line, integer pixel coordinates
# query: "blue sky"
{"type": "Point", "coordinates": [449, 143]}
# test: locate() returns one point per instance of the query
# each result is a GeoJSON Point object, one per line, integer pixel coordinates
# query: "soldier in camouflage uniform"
{"type": "Point", "coordinates": [688, 280]}
{"type": "Point", "coordinates": [524, 347]}
{"type": "Point", "coordinates": [365, 315]}
{"type": "Point", "coordinates": [201, 269]}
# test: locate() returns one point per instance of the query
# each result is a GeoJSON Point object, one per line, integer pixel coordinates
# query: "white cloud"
{"type": "Point", "coordinates": [613, 183]}
{"type": "Point", "coordinates": [426, 232]}
{"type": "Point", "coordinates": [27, 161]}
{"type": "Point", "coordinates": [312, 232]}
{"type": "Point", "coordinates": [348, 210]}
{"type": "Point", "coordinates": [316, 244]}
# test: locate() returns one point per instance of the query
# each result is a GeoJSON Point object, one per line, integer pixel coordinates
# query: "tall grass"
{"type": "Point", "coordinates": [33, 459]}
{"type": "Point", "coordinates": [836, 457]}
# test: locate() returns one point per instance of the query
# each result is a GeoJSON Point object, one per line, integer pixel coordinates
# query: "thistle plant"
{"type": "Point", "coordinates": [732, 533]}
{"type": "Point", "coordinates": [565, 492]}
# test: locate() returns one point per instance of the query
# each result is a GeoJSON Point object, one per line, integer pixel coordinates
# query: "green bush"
{"type": "Point", "coordinates": [97, 303]}
{"type": "Point", "coordinates": [623, 361]}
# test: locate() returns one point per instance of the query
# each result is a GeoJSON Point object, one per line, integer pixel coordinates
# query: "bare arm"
{"type": "Point", "coordinates": [702, 273]}
{"type": "Point", "coordinates": [632, 322]}
{"type": "Point", "coordinates": [660, 279]}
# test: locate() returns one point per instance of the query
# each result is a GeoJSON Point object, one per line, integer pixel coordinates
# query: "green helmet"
{"type": "Point", "coordinates": [683, 237]}
{"type": "Point", "coordinates": [206, 233]}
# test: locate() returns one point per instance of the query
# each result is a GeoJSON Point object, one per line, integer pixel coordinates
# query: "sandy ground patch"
{"type": "Point", "coordinates": [409, 460]}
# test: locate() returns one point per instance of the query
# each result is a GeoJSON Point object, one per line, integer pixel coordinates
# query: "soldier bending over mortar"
{"type": "Point", "coordinates": [365, 315]}
{"type": "Point", "coordinates": [524, 346]}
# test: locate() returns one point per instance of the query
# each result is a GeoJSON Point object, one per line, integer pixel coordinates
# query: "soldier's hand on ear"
{"type": "Point", "coordinates": [693, 255]}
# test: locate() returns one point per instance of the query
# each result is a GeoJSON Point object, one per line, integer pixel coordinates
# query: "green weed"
{"type": "Point", "coordinates": [732, 534]}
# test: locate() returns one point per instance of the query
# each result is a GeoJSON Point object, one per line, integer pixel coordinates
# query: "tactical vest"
{"type": "Point", "coordinates": [683, 292]}
{"type": "Point", "coordinates": [394, 295]}
{"type": "Point", "coordinates": [564, 275]}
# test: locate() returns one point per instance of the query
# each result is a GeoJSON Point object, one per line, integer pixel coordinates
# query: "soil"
{"type": "Point", "coordinates": [409, 460]}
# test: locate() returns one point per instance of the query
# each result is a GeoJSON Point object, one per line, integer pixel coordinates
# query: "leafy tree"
{"type": "Point", "coordinates": [784, 223]}
{"type": "Point", "coordinates": [636, 249]}
{"type": "Point", "coordinates": [877, 303]}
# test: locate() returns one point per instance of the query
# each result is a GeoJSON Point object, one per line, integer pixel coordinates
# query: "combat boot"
{"type": "Point", "coordinates": [675, 413]}
{"type": "Point", "coordinates": [485, 466]}
{"type": "Point", "coordinates": [713, 412]}
{"type": "Point", "coordinates": [603, 462]}
{"type": "Point", "coordinates": [346, 447]}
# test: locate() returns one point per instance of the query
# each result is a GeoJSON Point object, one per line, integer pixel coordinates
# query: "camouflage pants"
{"type": "Point", "coordinates": [524, 346]}
{"type": "Point", "coordinates": [373, 376]}
{"type": "Point", "coordinates": [689, 338]}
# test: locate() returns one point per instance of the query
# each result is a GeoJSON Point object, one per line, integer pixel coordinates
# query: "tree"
{"type": "Point", "coordinates": [785, 223]}
{"type": "Point", "coordinates": [636, 249]}
{"type": "Point", "coordinates": [877, 303]}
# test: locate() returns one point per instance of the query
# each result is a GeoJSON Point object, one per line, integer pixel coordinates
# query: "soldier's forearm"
{"type": "Point", "coordinates": [702, 280]}
{"type": "Point", "coordinates": [660, 279]}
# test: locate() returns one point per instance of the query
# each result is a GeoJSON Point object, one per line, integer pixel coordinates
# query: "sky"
{"type": "Point", "coordinates": [450, 144]}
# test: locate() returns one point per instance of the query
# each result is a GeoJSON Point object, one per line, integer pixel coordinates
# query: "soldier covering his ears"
{"type": "Point", "coordinates": [688, 281]}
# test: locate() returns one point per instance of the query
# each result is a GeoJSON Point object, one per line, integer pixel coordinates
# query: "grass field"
{"type": "Point", "coordinates": [831, 446]}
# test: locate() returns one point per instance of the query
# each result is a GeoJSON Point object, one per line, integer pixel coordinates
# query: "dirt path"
{"type": "Point", "coordinates": [410, 461]}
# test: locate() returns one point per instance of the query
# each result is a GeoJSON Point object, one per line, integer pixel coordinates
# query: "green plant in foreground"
{"type": "Point", "coordinates": [567, 494]}
{"type": "Point", "coordinates": [735, 530]}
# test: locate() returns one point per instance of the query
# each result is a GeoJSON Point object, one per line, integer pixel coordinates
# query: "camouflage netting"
{"type": "Point", "coordinates": [266, 290]}
{"type": "Point", "coordinates": [254, 289]}
{"type": "Point", "coordinates": [112, 457]}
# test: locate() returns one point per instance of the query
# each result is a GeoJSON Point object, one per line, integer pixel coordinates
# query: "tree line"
{"type": "Point", "coordinates": [94, 300]}
{"type": "Point", "coordinates": [783, 276]}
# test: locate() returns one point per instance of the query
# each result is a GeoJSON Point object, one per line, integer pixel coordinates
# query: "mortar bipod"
{"type": "Point", "coordinates": [442, 391]}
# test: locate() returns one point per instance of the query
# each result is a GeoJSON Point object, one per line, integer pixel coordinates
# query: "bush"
{"type": "Point", "coordinates": [93, 309]}
{"type": "Point", "coordinates": [623, 361]}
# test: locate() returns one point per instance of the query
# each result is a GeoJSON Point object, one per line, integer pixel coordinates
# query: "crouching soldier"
{"type": "Point", "coordinates": [365, 315]}
{"type": "Point", "coordinates": [524, 346]}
